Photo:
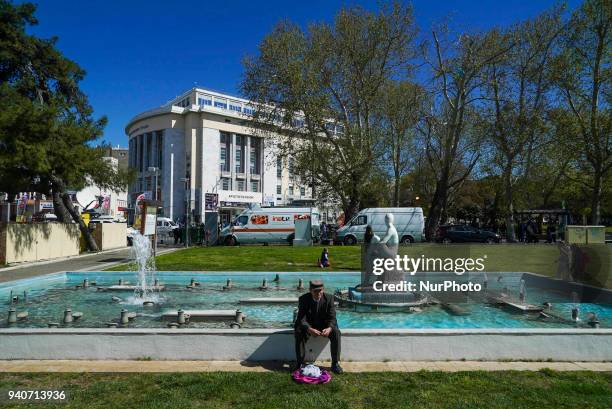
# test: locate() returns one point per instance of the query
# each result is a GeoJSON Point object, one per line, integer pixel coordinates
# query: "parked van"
{"type": "Point", "coordinates": [165, 225]}
{"type": "Point", "coordinates": [408, 221]}
{"type": "Point", "coordinates": [268, 225]}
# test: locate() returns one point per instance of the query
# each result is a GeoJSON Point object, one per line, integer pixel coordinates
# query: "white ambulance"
{"type": "Point", "coordinates": [269, 225]}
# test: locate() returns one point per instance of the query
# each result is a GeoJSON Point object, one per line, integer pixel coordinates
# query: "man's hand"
{"type": "Point", "coordinates": [314, 332]}
{"type": "Point", "coordinates": [326, 332]}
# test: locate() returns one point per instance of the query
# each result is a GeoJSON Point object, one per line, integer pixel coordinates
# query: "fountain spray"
{"type": "Point", "coordinates": [142, 255]}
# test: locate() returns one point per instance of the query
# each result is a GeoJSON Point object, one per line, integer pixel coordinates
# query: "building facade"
{"type": "Point", "coordinates": [119, 153]}
{"type": "Point", "coordinates": [200, 149]}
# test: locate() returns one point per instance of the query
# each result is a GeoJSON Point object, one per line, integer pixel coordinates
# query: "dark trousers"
{"type": "Point", "coordinates": [300, 344]}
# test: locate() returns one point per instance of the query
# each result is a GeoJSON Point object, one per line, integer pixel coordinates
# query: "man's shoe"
{"type": "Point", "coordinates": [336, 368]}
{"type": "Point", "coordinates": [296, 367]}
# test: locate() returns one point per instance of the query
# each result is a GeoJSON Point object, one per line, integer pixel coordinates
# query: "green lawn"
{"type": "Point", "coordinates": [541, 389]}
{"type": "Point", "coordinates": [539, 259]}
{"type": "Point", "coordinates": [255, 258]}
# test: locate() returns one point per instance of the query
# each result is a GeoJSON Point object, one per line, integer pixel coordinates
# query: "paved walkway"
{"type": "Point", "coordinates": [236, 366]}
{"type": "Point", "coordinates": [88, 262]}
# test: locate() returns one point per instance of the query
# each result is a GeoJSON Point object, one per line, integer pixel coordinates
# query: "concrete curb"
{"type": "Point", "coordinates": [129, 366]}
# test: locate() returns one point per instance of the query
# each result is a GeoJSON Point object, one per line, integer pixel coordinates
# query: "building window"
{"type": "Point", "coordinates": [148, 157]}
{"type": "Point", "coordinates": [249, 110]}
{"type": "Point", "coordinates": [302, 191]}
{"type": "Point", "coordinates": [224, 164]}
{"type": "Point", "coordinates": [226, 184]}
{"type": "Point", "coordinates": [279, 167]}
{"type": "Point", "coordinates": [290, 190]}
{"type": "Point", "coordinates": [223, 158]}
{"type": "Point", "coordinates": [235, 106]}
{"type": "Point", "coordinates": [298, 122]}
{"type": "Point", "coordinates": [240, 185]}
{"type": "Point", "coordinates": [253, 161]}
{"type": "Point", "coordinates": [160, 144]}
{"type": "Point", "coordinates": [184, 103]}
{"type": "Point", "coordinates": [205, 100]}
{"type": "Point", "coordinates": [254, 156]}
{"type": "Point", "coordinates": [254, 186]}
{"type": "Point", "coordinates": [279, 189]}
{"type": "Point", "coordinates": [239, 161]}
{"type": "Point", "coordinates": [221, 103]}
{"type": "Point", "coordinates": [290, 167]}
{"type": "Point", "coordinates": [240, 153]}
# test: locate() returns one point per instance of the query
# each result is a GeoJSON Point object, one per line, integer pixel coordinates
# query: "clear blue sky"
{"type": "Point", "coordinates": [139, 54]}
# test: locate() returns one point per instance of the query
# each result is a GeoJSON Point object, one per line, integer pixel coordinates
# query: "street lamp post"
{"type": "Point", "coordinates": [171, 182]}
{"type": "Point", "coordinates": [188, 206]}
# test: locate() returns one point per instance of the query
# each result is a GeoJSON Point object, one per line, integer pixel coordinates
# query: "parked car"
{"type": "Point", "coordinates": [408, 221]}
{"type": "Point", "coordinates": [462, 233]}
{"type": "Point", "coordinates": [44, 216]}
{"type": "Point", "coordinates": [103, 219]}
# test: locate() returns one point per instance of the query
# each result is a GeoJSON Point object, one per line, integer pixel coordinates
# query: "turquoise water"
{"type": "Point", "coordinates": [48, 296]}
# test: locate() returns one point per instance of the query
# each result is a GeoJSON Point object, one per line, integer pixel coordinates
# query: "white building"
{"type": "Point", "coordinates": [112, 203]}
{"type": "Point", "coordinates": [203, 142]}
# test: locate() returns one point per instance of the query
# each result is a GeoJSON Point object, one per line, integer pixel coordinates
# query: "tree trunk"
{"type": "Point", "coordinates": [62, 204]}
{"type": "Point", "coordinates": [435, 209]}
{"type": "Point", "coordinates": [89, 240]}
{"type": "Point", "coordinates": [596, 200]}
{"type": "Point", "coordinates": [350, 210]}
{"type": "Point", "coordinates": [494, 210]}
{"type": "Point", "coordinates": [59, 209]}
{"type": "Point", "coordinates": [510, 237]}
{"type": "Point", "coordinates": [396, 192]}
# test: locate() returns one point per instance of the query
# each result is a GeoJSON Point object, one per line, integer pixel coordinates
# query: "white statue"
{"type": "Point", "coordinates": [390, 238]}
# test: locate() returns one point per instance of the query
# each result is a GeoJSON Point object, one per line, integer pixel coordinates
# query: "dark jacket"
{"type": "Point", "coordinates": [317, 315]}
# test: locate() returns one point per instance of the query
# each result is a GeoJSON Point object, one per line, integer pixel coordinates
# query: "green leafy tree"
{"type": "Point", "coordinates": [401, 107]}
{"type": "Point", "coordinates": [583, 74]}
{"type": "Point", "coordinates": [517, 91]}
{"type": "Point", "coordinates": [318, 90]}
{"type": "Point", "coordinates": [453, 148]}
{"type": "Point", "coordinates": [49, 139]}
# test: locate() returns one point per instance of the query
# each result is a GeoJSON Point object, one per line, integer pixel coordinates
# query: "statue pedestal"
{"type": "Point", "coordinates": [303, 233]}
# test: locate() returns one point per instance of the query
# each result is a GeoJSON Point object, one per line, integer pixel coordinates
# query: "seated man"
{"type": "Point", "coordinates": [324, 259]}
{"type": "Point", "coordinates": [317, 317]}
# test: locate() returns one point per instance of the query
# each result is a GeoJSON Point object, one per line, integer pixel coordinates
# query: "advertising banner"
{"type": "Point", "coordinates": [211, 202]}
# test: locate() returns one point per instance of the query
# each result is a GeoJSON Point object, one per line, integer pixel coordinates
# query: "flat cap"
{"type": "Point", "coordinates": [316, 284]}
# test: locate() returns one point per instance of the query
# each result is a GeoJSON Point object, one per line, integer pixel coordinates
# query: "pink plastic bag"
{"type": "Point", "coordinates": [299, 378]}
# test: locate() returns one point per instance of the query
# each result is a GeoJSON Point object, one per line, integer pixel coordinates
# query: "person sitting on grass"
{"type": "Point", "coordinates": [324, 260]}
{"type": "Point", "coordinates": [317, 317]}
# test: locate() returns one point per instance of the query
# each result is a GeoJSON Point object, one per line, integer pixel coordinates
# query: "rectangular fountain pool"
{"type": "Point", "coordinates": [47, 297]}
